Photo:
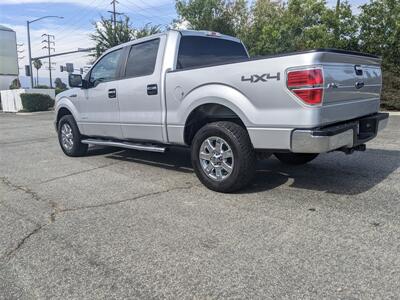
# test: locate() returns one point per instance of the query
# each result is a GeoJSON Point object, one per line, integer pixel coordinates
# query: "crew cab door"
{"type": "Point", "coordinates": [99, 106]}
{"type": "Point", "coordinates": [139, 91]}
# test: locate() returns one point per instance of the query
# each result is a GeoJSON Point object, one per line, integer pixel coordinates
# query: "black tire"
{"type": "Point", "coordinates": [77, 148]}
{"type": "Point", "coordinates": [244, 158]}
{"type": "Point", "coordinates": [295, 158]}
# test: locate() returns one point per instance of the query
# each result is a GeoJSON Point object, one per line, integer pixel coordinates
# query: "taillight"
{"type": "Point", "coordinates": [306, 85]}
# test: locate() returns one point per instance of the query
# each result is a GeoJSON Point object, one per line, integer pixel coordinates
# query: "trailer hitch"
{"type": "Point", "coordinates": [346, 150]}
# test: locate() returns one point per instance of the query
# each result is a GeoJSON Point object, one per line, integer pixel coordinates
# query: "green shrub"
{"type": "Point", "coordinates": [36, 102]}
{"type": "Point", "coordinates": [390, 91]}
{"type": "Point", "coordinates": [42, 86]}
{"type": "Point", "coordinates": [15, 84]}
{"type": "Point", "coordinates": [60, 90]}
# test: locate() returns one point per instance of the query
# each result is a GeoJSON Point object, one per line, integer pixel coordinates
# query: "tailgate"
{"type": "Point", "coordinates": [351, 82]}
{"type": "Point", "coordinates": [352, 85]}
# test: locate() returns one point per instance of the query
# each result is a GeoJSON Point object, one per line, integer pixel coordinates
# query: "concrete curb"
{"type": "Point", "coordinates": [393, 113]}
{"type": "Point", "coordinates": [33, 113]}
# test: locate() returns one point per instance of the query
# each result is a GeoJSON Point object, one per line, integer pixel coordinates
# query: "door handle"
{"type": "Point", "coordinates": [152, 89]}
{"type": "Point", "coordinates": [112, 93]}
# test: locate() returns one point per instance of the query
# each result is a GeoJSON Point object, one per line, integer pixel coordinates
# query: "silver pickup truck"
{"type": "Point", "coordinates": [201, 90]}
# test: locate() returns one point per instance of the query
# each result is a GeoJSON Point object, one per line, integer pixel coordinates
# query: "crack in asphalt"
{"type": "Point", "coordinates": [38, 227]}
{"type": "Point", "coordinates": [126, 200]}
{"type": "Point", "coordinates": [26, 190]}
{"type": "Point", "coordinates": [10, 253]}
{"type": "Point", "coordinates": [57, 210]}
{"type": "Point", "coordinates": [77, 173]}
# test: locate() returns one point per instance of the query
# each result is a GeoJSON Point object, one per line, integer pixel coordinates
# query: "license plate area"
{"type": "Point", "coordinates": [367, 128]}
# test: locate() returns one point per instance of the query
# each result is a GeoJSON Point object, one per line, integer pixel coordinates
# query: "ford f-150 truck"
{"type": "Point", "coordinates": [202, 90]}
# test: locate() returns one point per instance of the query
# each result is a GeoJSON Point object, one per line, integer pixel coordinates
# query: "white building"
{"type": "Point", "coordinates": [8, 57]}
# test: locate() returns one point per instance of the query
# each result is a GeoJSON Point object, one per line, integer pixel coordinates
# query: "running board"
{"type": "Point", "coordinates": [127, 145]}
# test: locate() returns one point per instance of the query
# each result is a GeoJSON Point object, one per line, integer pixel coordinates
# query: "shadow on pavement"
{"type": "Point", "coordinates": [334, 173]}
{"type": "Point", "coordinates": [99, 150]}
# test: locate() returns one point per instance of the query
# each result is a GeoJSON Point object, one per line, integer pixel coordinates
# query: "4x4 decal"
{"type": "Point", "coordinates": [262, 78]}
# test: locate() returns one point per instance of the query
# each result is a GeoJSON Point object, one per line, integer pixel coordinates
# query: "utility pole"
{"type": "Point", "coordinates": [20, 54]}
{"type": "Point", "coordinates": [337, 6]}
{"type": "Point", "coordinates": [337, 15]}
{"type": "Point", "coordinates": [114, 13]}
{"type": "Point", "coordinates": [49, 41]}
{"type": "Point", "coordinates": [29, 52]}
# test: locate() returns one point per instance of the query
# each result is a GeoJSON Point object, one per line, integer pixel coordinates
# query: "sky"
{"type": "Point", "coordinates": [72, 31]}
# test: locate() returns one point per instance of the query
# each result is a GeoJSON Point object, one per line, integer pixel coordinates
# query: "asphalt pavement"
{"type": "Point", "coordinates": [124, 224]}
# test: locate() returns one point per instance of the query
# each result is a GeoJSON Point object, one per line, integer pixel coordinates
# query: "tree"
{"type": "Point", "coordinates": [227, 17]}
{"type": "Point", "coordinates": [343, 27]}
{"type": "Point", "coordinates": [106, 36]}
{"type": "Point", "coordinates": [380, 35]}
{"type": "Point", "coordinates": [301, 25]}
{"type": "Point", "coordinates": [380, 31]}
{"type": "Point", "coordinates": [265, 33]}
{"type": "Point", "coordinates": [37, 63]}
{"type": "Point", "coordinates": [59, 84]}
{"type": "Point", "coordinates": [311, 24]}
{"type": "Point", "coordinates": [146, 30]}
{"type": "Point", "coordinates": [15, 84]}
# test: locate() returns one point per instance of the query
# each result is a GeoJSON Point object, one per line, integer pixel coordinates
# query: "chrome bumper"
{"type": "Point", "coordinates": [343, 135]}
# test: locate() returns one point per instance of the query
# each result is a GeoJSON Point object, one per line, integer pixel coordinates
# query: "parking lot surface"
{"type": "Point", "coordinates": [121, 224]}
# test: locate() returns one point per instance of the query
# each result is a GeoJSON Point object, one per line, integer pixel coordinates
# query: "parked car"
{"type": "Point", "coordinates": [201, 90]}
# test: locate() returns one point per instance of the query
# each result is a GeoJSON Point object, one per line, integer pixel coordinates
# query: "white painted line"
{"type": "Point", "coordinates": [393, 113]}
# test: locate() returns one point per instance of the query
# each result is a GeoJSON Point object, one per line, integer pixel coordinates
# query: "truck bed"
{"type": "Point", "coordinates": [269, 103]}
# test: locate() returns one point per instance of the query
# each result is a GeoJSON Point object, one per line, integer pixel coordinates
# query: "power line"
{"type": "Point", "coordinates": [143, 10]}
{"type": "Point", "coordinates": [78, 18]}
{"type": "Point", "coordinates": [83, 17]}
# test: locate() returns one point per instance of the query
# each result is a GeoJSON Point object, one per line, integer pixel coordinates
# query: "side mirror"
{"type": "Point", "coordinates": [75, 80]}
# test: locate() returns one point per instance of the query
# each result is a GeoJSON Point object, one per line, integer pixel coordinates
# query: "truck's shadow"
{"type": "Point", "coordinates": [333, 173]}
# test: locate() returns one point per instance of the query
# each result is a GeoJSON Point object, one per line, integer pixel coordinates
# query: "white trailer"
{"type": "Point", "coordinates": [8, 57]}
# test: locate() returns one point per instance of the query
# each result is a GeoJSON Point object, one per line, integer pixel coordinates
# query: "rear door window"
{"type": "Point", "coordinates": [197, 51]}
{"type": "Point", "coordinates": [142, 59]}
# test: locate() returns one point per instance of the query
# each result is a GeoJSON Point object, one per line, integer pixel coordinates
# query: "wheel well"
{"type": "Point", "coordinates": [208, 113]}
{"type": "Point", "coordinates": [62, 112]}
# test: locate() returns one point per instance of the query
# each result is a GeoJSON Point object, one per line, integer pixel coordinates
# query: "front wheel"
{"type": "Point", "coordinates": [295, 158]}
{"type": "Point", "coordinates": [223, 157]}
{"type": "Point", "coordinates": [70, 137]}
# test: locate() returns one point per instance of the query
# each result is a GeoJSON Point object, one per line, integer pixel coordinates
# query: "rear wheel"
{"type": "Point", "coordinates": [69, 137]}
{"type": "Point", "coordinates": [295, 158]}
{"type": "Point", "coordinates": [223, 157]}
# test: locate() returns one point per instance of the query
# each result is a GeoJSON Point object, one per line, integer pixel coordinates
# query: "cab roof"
{"type": "Point", "coordinates": [183, 32]}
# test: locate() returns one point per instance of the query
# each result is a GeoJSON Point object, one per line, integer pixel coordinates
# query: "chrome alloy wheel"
{"type": "Point", "coordinates": [216, 158]}
{"type": "Point", "coordinates": [67, 138]}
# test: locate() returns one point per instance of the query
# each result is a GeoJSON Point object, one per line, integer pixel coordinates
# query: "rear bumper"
{"type": "Point", "coordinates": [343, 135]}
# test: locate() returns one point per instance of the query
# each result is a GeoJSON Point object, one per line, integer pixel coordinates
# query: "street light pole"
{"type": "Point", "coordinates": [29, 53]}
{"type": "Point", "coordinates": [29, 42]}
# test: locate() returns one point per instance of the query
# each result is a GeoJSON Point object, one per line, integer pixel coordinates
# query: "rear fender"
{"type": "Point", "coordinates": [216, 94]}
